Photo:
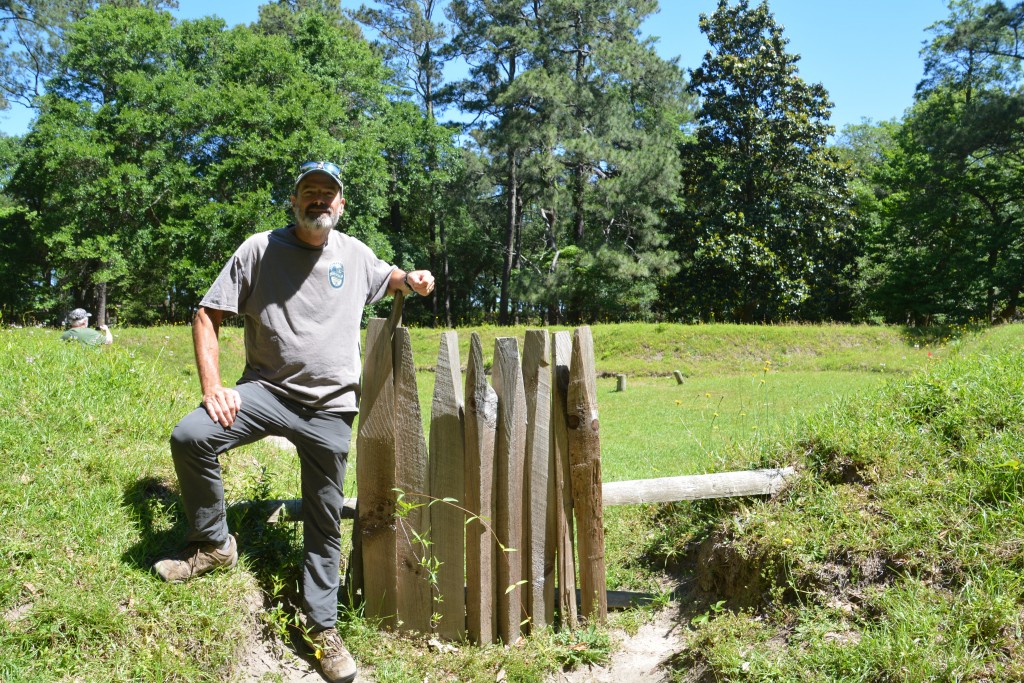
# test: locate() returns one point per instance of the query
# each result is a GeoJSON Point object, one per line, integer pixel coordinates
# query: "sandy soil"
{"type": "Point", "coordinates": [639, 658]}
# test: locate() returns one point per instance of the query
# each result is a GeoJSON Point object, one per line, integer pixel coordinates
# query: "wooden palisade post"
{"type": "Point", "coordinates": [447, 475]}
{"type": "Point", "coordinates": [411, 478]}
{"type": "Point", "coordinates": [561, 355]}
{"type": "Point", "coordinates": [375, 474]}
{"type": "Point", "coordinates": [481, 423]}
{"type": "Point", "coordinates": [509, 454]}
{"type": "Point", "coordinates": [538, 554]}
{"type": "Point", "coordinates": [585, 463]}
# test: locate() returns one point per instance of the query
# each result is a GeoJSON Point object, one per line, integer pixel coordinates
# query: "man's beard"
{"type": "Point", "coordinates": [320, 224]}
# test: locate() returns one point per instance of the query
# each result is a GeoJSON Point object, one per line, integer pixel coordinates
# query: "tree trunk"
{"type": "Point", "coordinates": [510, 240]}
{"type": "Point", "coordinates": [434, 252]}
{"type": "Point", "coordinates": [446, 291]}
{"type": "Point", "coordinates": [101, 304]}
{"type": "Point", "coordinates": [551, 315]}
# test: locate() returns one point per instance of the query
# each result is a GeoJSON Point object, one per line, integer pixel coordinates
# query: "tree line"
{"type": "Point", "coordinates": [569, 175]}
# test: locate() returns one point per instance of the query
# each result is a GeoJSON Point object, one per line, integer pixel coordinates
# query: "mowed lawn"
{"type": "Point", "coordinates": [658, 428]}
{"type": "Point", "coordinates": [741, 385]}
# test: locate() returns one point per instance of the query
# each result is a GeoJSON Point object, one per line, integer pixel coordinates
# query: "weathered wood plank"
{"type": "Point", "coordinates": [447, 480]}
{"type": "Point", "coordinates": [565, 551]}
{"type": "Point", "coordinates": [585, 466]}
{"type": "Point", "coordinates": [697, 487]}
{"type": "Point", "coordinates": [509, 454]}
{"type": "Point", "coordinates": [412, 479]}
{"type": "Point", "coordinates": [766, 482]}
{"type": "Point", "coordinates": [538, 554]}
{"type": "Point", "coordinates": [375, 477]}
{"type": "Point", "coordinates": [481, 423]}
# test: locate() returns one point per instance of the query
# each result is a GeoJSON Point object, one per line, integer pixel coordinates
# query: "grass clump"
{"type": "Point", "coordinates": [898, 554]}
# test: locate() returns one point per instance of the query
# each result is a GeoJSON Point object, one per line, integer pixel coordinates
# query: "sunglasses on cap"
{"type": "Point", "coordinates": [327, 167]}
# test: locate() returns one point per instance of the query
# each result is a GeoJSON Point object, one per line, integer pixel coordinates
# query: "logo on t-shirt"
{"type": "Point", "coordinates": [336, 274]}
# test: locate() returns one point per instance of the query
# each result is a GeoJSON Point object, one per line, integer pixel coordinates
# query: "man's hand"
{"type": "Point", "coordinates": [420, 281]}
{"type": "Point", "coordinates": [222, 404]}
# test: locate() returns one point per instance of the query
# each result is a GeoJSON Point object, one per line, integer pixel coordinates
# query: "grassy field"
{"type": "Point", "coordinates": [88, 497]}
{"type": "Point", "coordinates": [898, 556]}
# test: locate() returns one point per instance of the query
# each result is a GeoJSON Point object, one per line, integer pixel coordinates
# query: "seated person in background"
{"type": "Point", "coordinates": [78, 329]}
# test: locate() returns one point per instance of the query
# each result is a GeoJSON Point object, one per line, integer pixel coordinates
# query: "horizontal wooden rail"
{"type": "Point", "coordinates": [697, 487]}
{"type": "Point", "coordinates": [664, 490]}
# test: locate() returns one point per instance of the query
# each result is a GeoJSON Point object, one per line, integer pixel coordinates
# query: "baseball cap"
{"type": "Point", "coordinates": [78, 314]}
{"type": "Point", "coordinates": [326, 167]}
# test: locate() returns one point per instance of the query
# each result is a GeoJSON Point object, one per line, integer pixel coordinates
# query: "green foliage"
{"type": "Point", "coordinates": [579, 135]}
{"type": "Point", "coordinates": [31, 42]}
{"type": "Point", "coordinates": [764, 226]}
{"type": "Point", "coordinates": [905, 566]}
{"type": "Point", "coordinates": [949, 241]}
{"type": "Point", "coordinates": [153, 158]}
{"type": "Point", "coordinates": [582, 647]}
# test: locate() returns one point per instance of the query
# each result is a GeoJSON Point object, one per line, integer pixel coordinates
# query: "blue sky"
{"type": "Point", "coordinates": [865, 53]}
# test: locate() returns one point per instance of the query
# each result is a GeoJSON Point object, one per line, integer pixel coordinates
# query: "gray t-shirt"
{"type": "Point", "coordinates": [302, 307]}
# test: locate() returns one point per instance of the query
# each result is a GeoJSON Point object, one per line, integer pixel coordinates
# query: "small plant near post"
{"type": "Point", "coordinates": [427, 561]}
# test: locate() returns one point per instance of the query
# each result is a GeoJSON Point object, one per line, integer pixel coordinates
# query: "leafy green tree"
{"type": "Point", "coordinates": [581, 117]}
{"type": "Point", "coordinates": [867, 147]}
{"type": "Point", "coordinates": [161, 146]}
{"type": "Point", "coordinates": [496, 37]}
{"type": "Point", "coordinates": [952, 237]}
{"type": "Point", "coordinates": [414, 45]}
{"type": "Point", "coordinates": [24, 268]}
{"type": "Point", "coordinates": [31, 42]}
{"type": "Point", "coordinates": [765, 217]}
{"type": "Point", "coordinates": [606, 165]}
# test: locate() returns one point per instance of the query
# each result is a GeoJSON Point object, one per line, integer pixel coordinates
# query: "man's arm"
{"type": "Point", "coordinates": [221, 403]}
{"type": "Point", "coordinates": [419, 281]}
{"type": "Point", "coordinates": [109, 338]}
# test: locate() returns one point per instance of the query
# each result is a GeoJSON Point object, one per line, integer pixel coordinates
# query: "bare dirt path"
{"type": "Point", "coordinates": [640, 658]}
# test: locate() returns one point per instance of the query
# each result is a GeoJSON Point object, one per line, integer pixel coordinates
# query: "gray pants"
{"type": "Point", "coordinates": [322, 440]}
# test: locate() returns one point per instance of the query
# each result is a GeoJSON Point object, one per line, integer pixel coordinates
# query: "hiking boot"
{"type": "Point", "coordinates": [337, 664]}
{"type": "Point", "coordinates": [195, 560]}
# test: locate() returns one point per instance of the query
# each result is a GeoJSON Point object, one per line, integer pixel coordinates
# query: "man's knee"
{"type": "Point", "coordinates": [187, 435]}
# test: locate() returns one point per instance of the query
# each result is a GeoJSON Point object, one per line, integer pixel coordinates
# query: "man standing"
{"type": "Point", "coordinates": [78, 330]}
{"type": "Point", "coordinates": [301, 289]}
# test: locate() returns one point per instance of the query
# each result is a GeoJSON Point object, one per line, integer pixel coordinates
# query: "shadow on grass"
{"type": "Point", "coordinates": [935, 335]}
{"type": "Point", "coordinates": [157, 508]}
{"type": "Point", "coordinates": [272, 552]}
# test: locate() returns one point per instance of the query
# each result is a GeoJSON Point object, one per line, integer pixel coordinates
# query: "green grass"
{"type": "Point", "coordinates": [743, 386]}
{"type": "Point", "coordinates": [88, 497]}
{"type": "Point", "coordinates": [898, 554]}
